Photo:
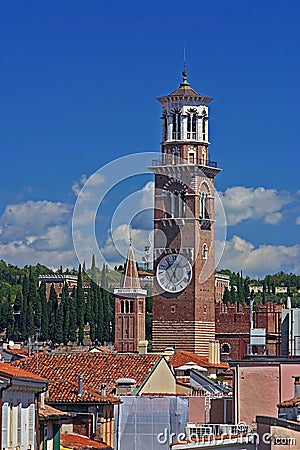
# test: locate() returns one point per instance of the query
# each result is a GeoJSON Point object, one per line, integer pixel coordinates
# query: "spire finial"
{"type": "Point", "coordinates": [184, 73]}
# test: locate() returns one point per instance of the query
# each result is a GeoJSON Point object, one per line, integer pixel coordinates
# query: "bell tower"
{"type": "Point", "coordinates": [130, 307]}
{"type": "Point", "coordinates": [183, 297]}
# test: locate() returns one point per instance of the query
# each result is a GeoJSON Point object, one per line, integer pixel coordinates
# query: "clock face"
{"type": "Point", "coordinates": [174, 273]}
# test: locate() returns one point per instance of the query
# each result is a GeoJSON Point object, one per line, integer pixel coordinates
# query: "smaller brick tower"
{"type": "Point", "coordinates": [130, 305]}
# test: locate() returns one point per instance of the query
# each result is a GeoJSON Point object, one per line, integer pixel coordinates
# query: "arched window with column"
{"type": "Point", "coordinates": [165, 125]}
{"type": "Point", "coordinates": [191, 156]}
{"type": "Point", "coordinates": [192, 123]}
{"type": "Point", "coordinates": [204, 206]}
{"type": "Point", "coordinates": [176, 155]}
{"type": "Point", "coordinates": [176, 124]}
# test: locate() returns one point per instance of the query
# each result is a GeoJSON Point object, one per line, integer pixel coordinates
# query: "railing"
{"type": "Point", "coordinates": [181, 162]}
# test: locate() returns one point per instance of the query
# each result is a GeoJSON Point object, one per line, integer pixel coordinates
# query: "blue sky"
{"type": "Point", "coordinates": [79, 82]}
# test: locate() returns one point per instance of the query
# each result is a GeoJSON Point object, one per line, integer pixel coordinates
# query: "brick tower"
{"type": "Point", "coordinates": [130, 307]}
{"type": "Point", "coordinates": [183, 302]}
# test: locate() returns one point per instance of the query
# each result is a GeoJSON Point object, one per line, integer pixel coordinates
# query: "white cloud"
{"type": "Point", "coordinates": [116, 246]}
{"type": "Point", "coordinates": [242, 255]}
{"type": "Point", "coordinates": [94, 180]}
{"type": "Point", "coordinates": [241, 203]}
{"type": "Point", "coordinates": [38, 231]}
{"type": "Point", "coordinates": [298, 221]}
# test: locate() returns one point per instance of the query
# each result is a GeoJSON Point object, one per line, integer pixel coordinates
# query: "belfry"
{"type": "Point", "coordinates": [183, 295]}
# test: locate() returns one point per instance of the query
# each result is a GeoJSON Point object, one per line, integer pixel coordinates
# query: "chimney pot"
{"type": "Point", "coordinates": [80, 385]}
{"type": "Point", "coordinates": [103, 389]}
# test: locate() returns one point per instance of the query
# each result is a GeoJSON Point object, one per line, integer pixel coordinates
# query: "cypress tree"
{"type": "Point", "coordinates": [45, 311]}
{"type": "Point", "coordinates": [65, 304]}
{"type": "Point", "coordinates": [233, 295]}
{"type": "Point", "coordinates": [8, 317]}
{"type": "Point", "coordinates": [100, 316]}
{"type": "Point", "coordinates": [226, 296]}
{"type": "Point", "coordinates": [58, 329]}
{"type": "Point", "coordinates": [72, 312]}
{"type": "Point", "coordinates": [106, 305]}
{"type": "Point", "coordinates": [80, 307]}
{"type": "Point", "coordinates": [52, 309]}
{"type": "Point", "coordinates": [17, 313]}
{"type": "Point", "coordinates": [93, 269]}
{"type": "Point", "coordinates": [23, 315]}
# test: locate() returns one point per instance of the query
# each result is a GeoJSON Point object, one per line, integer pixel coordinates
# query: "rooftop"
{"type": "Point", "coordinates": [10, 371]}
{"type": "Point", "coordinates": [62, 371]}
{"type": "Point", "coordinates": [76, 441]}
{"type": "Point", "coordinates": [181, 357]}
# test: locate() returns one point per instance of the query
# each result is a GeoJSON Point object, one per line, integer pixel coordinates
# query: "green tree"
{"type": "Point", "coordinates": [106, 305]}
{"type": "Point", "coordinates": [73, 319]}
{"type": "Point", "coordinates": [80, 305]}
{"type": "Point", "coordinates": [44, 311]}
{"type": "Point", "coordinates": [65, 304]}
{"type": "Point", "coordinates": [52, 306]}
{"type": "Point", "coordinates": [226, 296]}
{"type": "Point", "coordinates": [8, 317]}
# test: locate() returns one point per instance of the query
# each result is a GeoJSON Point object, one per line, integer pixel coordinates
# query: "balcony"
{"type": "Point", "coordinates": [180, 162]}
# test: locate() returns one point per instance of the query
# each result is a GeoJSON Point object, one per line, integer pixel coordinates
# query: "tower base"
{"type": "Point", "coordinates": [192, 336]}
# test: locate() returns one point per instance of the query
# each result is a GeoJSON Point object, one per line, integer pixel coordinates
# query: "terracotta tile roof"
{"type": "Point", "coordinates": [18, 352]}
{"type": "Point", "coordinates": [76, 441]}
{"type": "Point", "coordinates": [181, 357]}
{"type": "Point", "coordinates": [62, 371]}
{"type": "Point", "coordinates": [46, 412]}
{"type": "Point", "coordinates": [101, 349]}
{"type": "Point", "coordinates": [10, 371]}
{"type": "Point", "coordinates": [67, 392]}
{"type": "Point", "coordinates": [289, 403]}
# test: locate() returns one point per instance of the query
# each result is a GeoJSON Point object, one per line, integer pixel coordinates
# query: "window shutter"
{"type": "Point", "coordinates": [19, 431]}
{"type": "Point", "coordinates": [5, 425]}
{"type": "Point", "coordinates": [31, 425]}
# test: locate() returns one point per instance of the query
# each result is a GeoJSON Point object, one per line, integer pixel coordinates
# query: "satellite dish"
{"type": "Point", "coordinates": [11, 344]}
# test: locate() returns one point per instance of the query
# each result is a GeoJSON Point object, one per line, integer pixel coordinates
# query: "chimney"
{"type": "Point", "coordinates": [80, 384]}
{"type": "Point", "coordinates": [103, 389]}
{"type": "Point", "coordinates": [214, 352]}
{"type": "Point", "coordinates": [297, 387]}
{"type": "Point", "coordinates": [288, 303]}
{"type": "Point", "coordinates": [143, 346]}
{"type": "Point", "coordinates": [42, 399]}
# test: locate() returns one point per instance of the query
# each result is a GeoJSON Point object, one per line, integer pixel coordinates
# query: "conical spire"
{"type": "Point", "coordinates": [131, 276]}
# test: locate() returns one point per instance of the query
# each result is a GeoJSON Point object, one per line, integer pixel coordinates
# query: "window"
{"type": "Point", "coordinates": [175, 155]}
{"type": "Point", "coordinates": [192, 124]}
{"type": "Point", "coordinates": [204, 206]}
{"type": "Point", "coordinates": [176, 124]}
{"type": "Point", "coordinates": [173, 309]}
{"type": "Point", "coordinates": [131, 307]}
{"type": "Point", "coordinates": [141, 309]}
{"type": "Point", "coordinates": [205, 251]}
{"type": "Point", "coordinates": [122, 307]}
{"type": "Point", "coordinates": [31, 423]}
{"type": "Point", "coordinates": [5, 419]}
{"type": "Point", "coordinates": [225, 348]}
{"type": "Point", "coordinates": [191, 157]}
{"type": "Point", "coordinates": [165, 127]}
{"type": "Point", "coordinates": [204, 128]}
{"type": "Point", "coordinates": [19, 429]}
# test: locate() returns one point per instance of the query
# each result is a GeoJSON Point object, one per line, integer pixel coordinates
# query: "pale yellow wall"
{"type": "Point", "coordinates": [66, 428]}
{"type": "Point", "coordinates": [283, 434]}
{"type": "Point", "coordinates": [161, 381]}
{"type": "Point", "coordinates": [182, 389]}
